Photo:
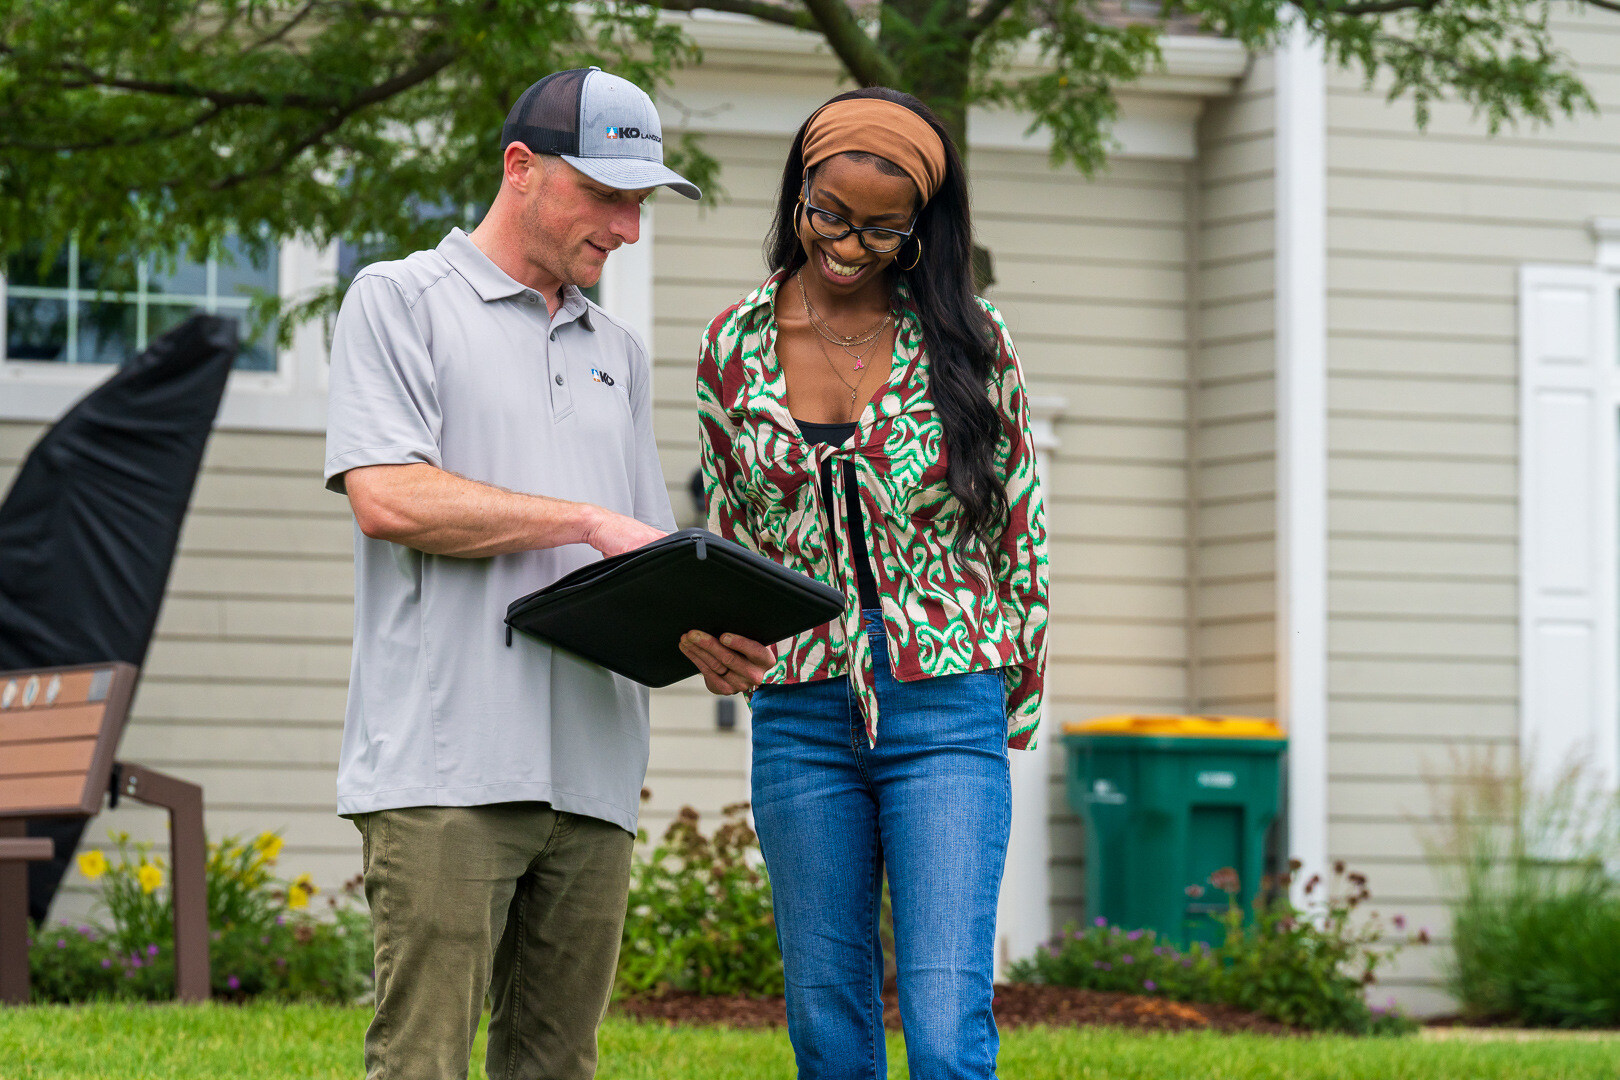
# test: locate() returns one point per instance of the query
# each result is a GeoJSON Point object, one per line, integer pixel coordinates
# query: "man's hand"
{"type": "Point", "coordinates": [613, 534]}
{"type": "Point", "coordinates": [729, 665]}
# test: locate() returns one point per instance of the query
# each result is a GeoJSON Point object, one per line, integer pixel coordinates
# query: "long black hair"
{"type": "Point", "coordinates": [957, 333]}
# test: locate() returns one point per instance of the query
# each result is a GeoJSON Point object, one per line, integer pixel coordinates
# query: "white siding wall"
{"type": "Point", "coordinates": [1090, 277]}
{"type": "Point", "coordinates": [1233, 444]}
{"type": "Point", "coordinates": [1426, 232]}
{"type": "Point", "coordinates": [247, 681]}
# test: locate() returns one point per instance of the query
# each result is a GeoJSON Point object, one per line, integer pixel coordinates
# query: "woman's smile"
{"type": "Point", "coordinates": [843, 273]}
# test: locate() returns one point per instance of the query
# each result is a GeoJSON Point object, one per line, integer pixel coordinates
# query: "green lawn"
{"type": "Point", "coordinates": [266, 1042]}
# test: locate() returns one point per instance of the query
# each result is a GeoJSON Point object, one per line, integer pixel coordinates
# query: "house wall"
{"type": "Point", "coordinates": [1232, 448]}
{"type": "Point", "coordinates": [1426, 232]}
{"type": "Point", "coordinates": [245, 687]}
{"type": "Point", "coordinates": [1091, 279]}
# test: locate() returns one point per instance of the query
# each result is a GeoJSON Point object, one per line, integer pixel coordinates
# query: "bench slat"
{"type": "Point", "coordinates": [79, 721]}
{"type": "Point", "coordinates": [74, 689]}
{"type": "Point", "coordinates": [41, 792]}
{"type": "Point", "coordinates": [65, 756]}
{"type": "Point", "coordinates": [26, 850]}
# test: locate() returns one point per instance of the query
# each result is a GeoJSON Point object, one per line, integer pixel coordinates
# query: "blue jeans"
{"type": "Point", "coordinates": [932, 804]}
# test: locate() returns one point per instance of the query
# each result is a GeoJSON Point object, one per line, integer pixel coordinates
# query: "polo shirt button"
{"type": "Point", "coordinates": [559, 380]}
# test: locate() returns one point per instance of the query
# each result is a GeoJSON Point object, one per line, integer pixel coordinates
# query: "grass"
{"type": "Point", "coordinates": [260, 1042]}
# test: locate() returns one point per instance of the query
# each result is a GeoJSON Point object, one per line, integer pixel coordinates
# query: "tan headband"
{"type": "Point", "coordinates": [875, 126]}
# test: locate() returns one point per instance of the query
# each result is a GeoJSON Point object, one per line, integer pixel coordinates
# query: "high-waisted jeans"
{"type": "Point", "coordinates": [932, 806]}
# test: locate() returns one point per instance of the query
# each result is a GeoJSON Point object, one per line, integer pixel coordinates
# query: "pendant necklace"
{"type": "Point", "coordinates": [869, 338]}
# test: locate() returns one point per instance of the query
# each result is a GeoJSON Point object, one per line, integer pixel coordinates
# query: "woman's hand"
{"type": "Point", "coordinates": [729, 664]}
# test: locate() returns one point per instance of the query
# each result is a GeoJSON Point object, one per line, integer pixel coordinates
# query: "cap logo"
{"type": "Point", "coordinates": [631, 133]}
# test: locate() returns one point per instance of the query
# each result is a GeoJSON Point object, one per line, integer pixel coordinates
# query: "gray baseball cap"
{"type": "Point", "coordinates": [602, 125]}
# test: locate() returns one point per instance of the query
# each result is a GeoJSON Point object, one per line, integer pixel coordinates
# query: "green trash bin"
{"type": "Point", "coordinates": [1167, 801]}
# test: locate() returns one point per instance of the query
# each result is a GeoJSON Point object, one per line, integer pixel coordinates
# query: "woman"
{"type": "Point", "coordinates": [864, 420]}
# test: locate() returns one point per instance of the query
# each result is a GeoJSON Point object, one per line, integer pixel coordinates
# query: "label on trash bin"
{"type": "Point", "coordinates": [1217, 779]}
{"type": "Point", "coordinates": [1104, 791]}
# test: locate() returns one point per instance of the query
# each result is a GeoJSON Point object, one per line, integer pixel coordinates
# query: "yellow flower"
{"type": "Point", "coordinates": [268, 845]}
{"type": "Point", "coordinates": [92, 864]}
{"type": "Point", "coordinates": [150, 877]}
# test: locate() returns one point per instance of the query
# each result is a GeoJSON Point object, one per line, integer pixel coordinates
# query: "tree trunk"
{"type": "Point", "coordinates": [936, 64]}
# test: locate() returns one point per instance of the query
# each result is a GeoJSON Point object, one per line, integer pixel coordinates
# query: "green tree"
{"type": "Point", "coordinates": [162, 125]}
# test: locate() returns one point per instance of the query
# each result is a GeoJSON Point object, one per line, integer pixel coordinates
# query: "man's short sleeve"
{"type": "Point", "coordinates": [383, 407]}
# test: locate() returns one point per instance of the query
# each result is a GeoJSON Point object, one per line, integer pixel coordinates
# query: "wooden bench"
{"type": "Point", "coordinates": [59, 732]}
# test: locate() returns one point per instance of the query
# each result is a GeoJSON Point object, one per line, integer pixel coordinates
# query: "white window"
{"type": "Point", "coordinates": [67, 327]}
{"type": "Point", "coordinates": [76, 312]}
{"type": "Point", "coordinates": [1568, 508]}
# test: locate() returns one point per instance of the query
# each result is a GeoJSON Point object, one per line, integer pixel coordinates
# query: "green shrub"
{"type": "Point", "coordinates": [699, 915]}
{"type": "Point", "coordinates": [1306, 970]}
{"type": "Point", "coordinates": [1536, 909]}
{"type": "Point", "coordinates": [263, 939]}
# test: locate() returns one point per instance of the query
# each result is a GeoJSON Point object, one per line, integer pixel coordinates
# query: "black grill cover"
{"type": "Point", "coordinates": [89, 529]}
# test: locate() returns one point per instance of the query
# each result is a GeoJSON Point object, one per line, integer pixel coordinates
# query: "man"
{"type": "Point", "coordinates": [493, 431]}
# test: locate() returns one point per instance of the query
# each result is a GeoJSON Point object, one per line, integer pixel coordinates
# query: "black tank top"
{"type": "Point", "coordinates": [838, 435]}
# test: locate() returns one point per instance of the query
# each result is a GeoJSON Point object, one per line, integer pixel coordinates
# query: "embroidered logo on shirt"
{"type": "Point", "coordinates": [601, 376]}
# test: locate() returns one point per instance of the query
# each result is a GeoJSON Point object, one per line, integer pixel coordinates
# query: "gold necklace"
{"type": "Point", "coordinates": [854, 391]}
{"type": "Point", "coordinates": [868, 338]}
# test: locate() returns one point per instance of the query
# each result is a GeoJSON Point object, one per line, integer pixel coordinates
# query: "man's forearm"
{"type": "Point", "coordinates": [438, 512]}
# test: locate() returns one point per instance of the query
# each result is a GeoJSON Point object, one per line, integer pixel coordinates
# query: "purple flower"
{"type": "Point", "coordinates": [1127, 959]}
{"type": "Point", "coordinates": [1400, 922]}
{"type": "Point", "coordinates": [1149, 985]}
{"type": "Point", "coordinates": [1187, 963]}
{"type": "Point", "coordinates": [88, 932]}
{"type": "Point", "coordinates": [151, 950]}
{"type": "Point", "coordinates": [105, 962]}
{"type": "Point", "coordinates": [281, 920]}
{"type": "Point", "coordinates": [134, 961]}
{"type": "Point", "coordinates": [1134, 935]}
{"type": "Point", "coordinates": [234, 983]}
{"type": "Point", "coordinates": [265, 940]}
{"type": "Point", "coordinates": [1100, 921]}
{"type": "Point", "coordinates": [61, 943]}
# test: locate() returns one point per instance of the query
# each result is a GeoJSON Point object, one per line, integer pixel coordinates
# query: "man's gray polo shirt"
{"type": "Point", "coordinates": [444, 359]}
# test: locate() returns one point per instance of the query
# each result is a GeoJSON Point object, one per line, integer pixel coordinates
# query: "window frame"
{"type": "Point", "coordinates": [291, 398]}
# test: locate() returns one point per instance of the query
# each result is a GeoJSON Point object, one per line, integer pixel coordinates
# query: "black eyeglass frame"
{"type": "Point", "coordinates": [860, 231]}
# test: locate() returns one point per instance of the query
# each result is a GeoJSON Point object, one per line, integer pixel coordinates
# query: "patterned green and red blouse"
{"type": "Point", "coordinates": [946, 611]}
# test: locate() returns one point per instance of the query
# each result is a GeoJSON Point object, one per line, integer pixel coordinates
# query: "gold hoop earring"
{"type": "Point", "coordinates": [918, 259]}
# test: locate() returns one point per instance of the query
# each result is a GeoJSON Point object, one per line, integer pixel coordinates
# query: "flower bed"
{"type": "Point", "coordinates": [264, 939]}
{"type": "Point", "coordinates": [1308, 972]}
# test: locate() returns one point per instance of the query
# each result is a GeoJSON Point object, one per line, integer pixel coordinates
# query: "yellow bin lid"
{"type": "Point", "coordinates": [1186, 727]}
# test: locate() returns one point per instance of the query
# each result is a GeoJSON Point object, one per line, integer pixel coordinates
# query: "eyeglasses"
{"type": "Point", "coordinates": [831, 226]}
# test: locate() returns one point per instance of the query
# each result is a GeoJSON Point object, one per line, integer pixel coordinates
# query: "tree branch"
{"type": "Point", "coordinates": [130, 141]}
{"type": "Point", "coordinates": [1609, 5]}
{"type": "Point", "coordinates": [764, 12]}
{"type": "Point", "coordinates": [992, 10]}
{"type": "Point", "coordinates": [430, 66]}
{"type": "Point", "coordinates": [860, 54]}
{"type": "Point", "coordinates": [285, 29]}
{"type": "Point", "coordinates": [1382, 7]}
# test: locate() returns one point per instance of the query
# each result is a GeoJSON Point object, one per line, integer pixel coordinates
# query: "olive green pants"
{"type": "Point", "coordinates": [517, 901]}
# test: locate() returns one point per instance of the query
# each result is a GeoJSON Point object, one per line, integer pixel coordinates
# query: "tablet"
{"type": "Point", "coordinates": [628, 613]}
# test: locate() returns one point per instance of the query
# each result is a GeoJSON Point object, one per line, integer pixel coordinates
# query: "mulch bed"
{"type": "Point", "coordinates": [1016, 1005]}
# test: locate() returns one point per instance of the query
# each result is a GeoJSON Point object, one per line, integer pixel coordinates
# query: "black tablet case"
{"type": "Point", "coordinates": [628, 613]}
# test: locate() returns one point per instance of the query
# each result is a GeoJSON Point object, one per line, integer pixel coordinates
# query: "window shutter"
{"type": "Point", "coordinates": [1567, 511]}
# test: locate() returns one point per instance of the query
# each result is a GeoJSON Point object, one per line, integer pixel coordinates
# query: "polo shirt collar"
{"type": "Point", "coordinates": [490, 282]}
